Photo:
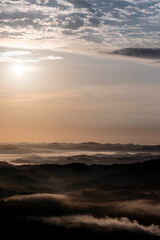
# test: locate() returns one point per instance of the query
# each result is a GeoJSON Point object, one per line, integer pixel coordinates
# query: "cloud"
{"type": "Point", "coordinates": [50, 58]}
{"type": "Point", "coordinates": [150, 53]}
{"type": "Point", "coordinates": [67, 23]}
{"type": "Point", "coordinates": [21, 55]}
{"type": "Point", "coordinates": [80, 4]}
{"type": "Point", "coordinates": [15, 53]}
{"type": "Point", "coordinates": [110, 224]}
{"type": "Point", "coordinates": [36, 204]}
{"type": "Point", "coordinates": [13, 56]}
{"type": "Point", "coordinates": [74, 23]}
{"type": "Point", "coordinates": [69, 211]}
{"type": "Point", "coordinates": [79, 157]}
{"type": "Point", "coordinates": [37, 197]}
{"type": "Point", "coordinates": [141, 205]}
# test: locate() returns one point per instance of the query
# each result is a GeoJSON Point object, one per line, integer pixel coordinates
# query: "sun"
{"type": "Point", "coordinates": [18, 69]}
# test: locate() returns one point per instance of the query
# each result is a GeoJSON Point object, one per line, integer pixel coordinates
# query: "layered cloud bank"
{"type": "Point", "coordinates": [86, 153]}
{"type": "Point", "coordinates": [60, 210]}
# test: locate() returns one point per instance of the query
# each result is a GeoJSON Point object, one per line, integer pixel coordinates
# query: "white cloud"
{"type": "Point", "coordinates": [15, 53]}
{"type": "Point", "coordinates": [16, 56]}
{"type": "Point", "coordinates": [50, 58]}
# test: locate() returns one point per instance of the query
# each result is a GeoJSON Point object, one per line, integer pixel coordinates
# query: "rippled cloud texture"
{"type": "Point", "coordinates": [75, 25]}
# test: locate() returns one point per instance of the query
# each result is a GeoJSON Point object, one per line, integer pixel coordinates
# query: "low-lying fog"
{"type": "Point", "coordinates": [67, 157]}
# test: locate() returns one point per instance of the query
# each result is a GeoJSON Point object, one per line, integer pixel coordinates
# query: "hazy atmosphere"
{"type": "Point", "coordinates": [77, 70]}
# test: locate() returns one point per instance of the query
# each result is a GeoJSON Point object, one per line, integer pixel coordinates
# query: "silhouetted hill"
{"type": "Point", "coordinates": [78, 200]}
{"type": "Point", "coordinates": [76, 176]}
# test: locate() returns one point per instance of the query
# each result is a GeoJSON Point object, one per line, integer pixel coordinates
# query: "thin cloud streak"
{"type": "Point", "coordinates": [110, 224]}
{"type": "Point", "coordinates": [16, 56]}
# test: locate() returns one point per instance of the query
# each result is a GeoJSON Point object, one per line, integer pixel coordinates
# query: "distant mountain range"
{"type": "Point", "coordinates": [85, 146]}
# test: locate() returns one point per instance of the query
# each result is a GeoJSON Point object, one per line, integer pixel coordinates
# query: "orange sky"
{"type": "Point", "coordinates": [79, 71]}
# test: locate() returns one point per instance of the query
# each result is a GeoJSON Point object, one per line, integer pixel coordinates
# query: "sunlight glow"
{"type": "Point", "coordinates": [18, 69]}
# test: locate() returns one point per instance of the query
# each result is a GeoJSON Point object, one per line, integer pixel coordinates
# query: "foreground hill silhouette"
{"type": "Point", "coordinates": [77, 200]}
{"type": "Point", "coordinates": [75, 177]}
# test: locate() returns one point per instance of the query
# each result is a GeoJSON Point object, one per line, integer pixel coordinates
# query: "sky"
{"type": "Point", "coordinates": [80, 70]}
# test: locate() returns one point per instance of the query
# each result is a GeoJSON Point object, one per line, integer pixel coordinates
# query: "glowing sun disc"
{"type": "Point", "coordinates": [18, 69]}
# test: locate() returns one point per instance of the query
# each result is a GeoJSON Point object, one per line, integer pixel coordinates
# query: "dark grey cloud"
{"type": "Point", "coordinates": [74, 23]}
{"type": "Point", "coordinates": [94, 21]}
{"type": "Point", "coordinates": [151, 53]}
{"type": "Point", "coordinates": [93, 38]}
{"type": "Point", "coordinates": [80, 4]}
